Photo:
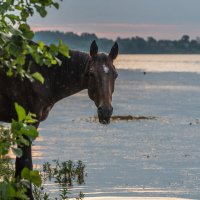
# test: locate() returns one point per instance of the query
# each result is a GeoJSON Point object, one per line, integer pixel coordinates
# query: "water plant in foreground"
{"type": "Point", "coordinates": [65, 175]}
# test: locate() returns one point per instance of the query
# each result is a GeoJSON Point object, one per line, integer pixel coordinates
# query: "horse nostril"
{"type": "Point", "coordinates": [108, 111]}
{"type": "Point", "coordinates": [100, 109]}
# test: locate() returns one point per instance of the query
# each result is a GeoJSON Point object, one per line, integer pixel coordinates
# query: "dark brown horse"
{"type": "Point", "coordinates": [94, 71]}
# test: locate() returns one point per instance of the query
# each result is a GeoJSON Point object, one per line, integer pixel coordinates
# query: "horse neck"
{"type": "Point", "coordinates": [70, 77]}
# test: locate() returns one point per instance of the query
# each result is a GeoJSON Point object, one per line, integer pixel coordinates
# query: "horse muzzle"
{"type": "Point", "coordinates": [104, 114]}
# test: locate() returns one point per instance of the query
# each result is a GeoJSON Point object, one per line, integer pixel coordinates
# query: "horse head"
{"type": "Point", "coordinates": [101, 80]}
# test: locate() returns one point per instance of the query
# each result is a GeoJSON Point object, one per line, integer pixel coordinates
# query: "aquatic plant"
{"type": "Point", "coordinates": [65, 174]}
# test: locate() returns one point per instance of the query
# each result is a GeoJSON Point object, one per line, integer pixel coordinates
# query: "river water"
{"type": "Point", "coordinates": [151, 158]}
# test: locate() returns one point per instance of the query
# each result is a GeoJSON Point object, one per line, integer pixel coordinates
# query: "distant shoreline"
{"type": "Point", "coordinates": [134, 45]}
{"type": "Point", "coordinates": [186, 53]}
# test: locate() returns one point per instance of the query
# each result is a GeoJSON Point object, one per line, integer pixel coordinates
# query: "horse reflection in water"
{"type": "Point", "coordinates": [94, 71]}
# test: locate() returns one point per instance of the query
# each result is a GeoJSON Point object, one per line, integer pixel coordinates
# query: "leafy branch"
{"type": "Point", "coordinates": [16, 36]}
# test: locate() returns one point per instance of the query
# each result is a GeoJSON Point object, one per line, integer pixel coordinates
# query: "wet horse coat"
{"type": "Point", "coordinates": [93, 71]}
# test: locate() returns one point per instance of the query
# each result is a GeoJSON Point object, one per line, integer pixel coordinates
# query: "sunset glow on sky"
{"type": "Point", "coordinates": [124, 18]}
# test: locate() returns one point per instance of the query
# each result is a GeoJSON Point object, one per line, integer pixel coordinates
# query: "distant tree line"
{"type": "Point", "coordinates": [134, 45]}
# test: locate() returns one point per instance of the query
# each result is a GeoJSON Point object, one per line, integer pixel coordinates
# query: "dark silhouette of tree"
{"type": "Point", "coordinates": [185, 39]}
{"type": "Point", "coordinates": [134, 45]}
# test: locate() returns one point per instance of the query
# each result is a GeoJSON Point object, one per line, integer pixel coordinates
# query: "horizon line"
{"type": "Point", "coordinates": [123, 30]}
{"type": "Point", "coordinates": [99, 37]}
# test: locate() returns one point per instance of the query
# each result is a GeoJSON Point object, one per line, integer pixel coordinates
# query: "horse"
{"type": "Point", "coordinates": [92, 71]}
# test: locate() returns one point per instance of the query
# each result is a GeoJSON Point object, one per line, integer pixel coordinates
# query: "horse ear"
{"type": "Point", "coordinates": [93, 49]}
{"type": "Point", "coordinates": [114, 51]}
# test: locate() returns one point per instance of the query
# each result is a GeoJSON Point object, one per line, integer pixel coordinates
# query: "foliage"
{"type": "Point", "coordinates": [17, 54]}
{"type": "Point", "coordinates": [13, 138]}
{"type": "Point", "coordinates": [16, 136]}
{"type": "Point", "coordinates": [16, 36]}
{"type": "Point", "coordinates": [55, 172]}
{"type": "Point", "coordinates": [6, 167]}
{"type": "Point", "coordinates": [65, 175]}
{"type": "Point", "coordinates": [9, 189]}
{"type": "Point", "coordinates": [134, 45]}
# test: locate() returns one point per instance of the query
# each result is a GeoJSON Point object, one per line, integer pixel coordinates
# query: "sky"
{"type": "Point", "coordinates": [162, 19]}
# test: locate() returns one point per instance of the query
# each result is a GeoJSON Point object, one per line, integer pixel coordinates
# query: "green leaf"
{"type": "Point", "coordinates": [63, 49]}
{"type": "Point", "coordinates": [17, 152]}
{"type": "Point", "coordinates": [35, 178]}
{"type": "Point", "coordinates": [41, 45]}
{"type": "Point", "coordinates": [13, 18]}
{"type": "Point", "coordinates": [24, 141]}
{"type": "Point", "coordinates": [24, 14]}
{"type": "Point", "coordinates": [27, 33]}
{"type": "Point", "coordinates": [41, 10]}
{"type": "Point", "coordinates": [29, 131]}
{"type": "Point", "coordinates": [21, 194]}
{"type": "Point", "coordinates": [21, 60]}
{"type": "Point", "coordinates": [14, 31]}
{"type": "Point", "coordinates": [54, 49]}
{"type": "Point", "coordinates": [4, 7]}
{"type": "Point", "coordinates": [21, 113]}
{"type": "Point", "coordinates": [13, 49]}
{"type": "Point", "coordinates": [11, 191]}
{"type": "Point", "coordinates": [32, 176]}
{"type": "Point", "coordinates": [16, 127]}
{"type": "Point", "coordinates": [30, 118]}
{"type": "Point", "coordinates": [9, 72]}
{"type": "Point", "coordinates": [17, 7]}
{"type": "Point", "coordinates": [38, 77]}
{"type": "Point", "coordinates": [25, 173]}
{"type": "Point", "coordinates": [56, 5]}
{"type": "Point", "coordinates": [4, 148]}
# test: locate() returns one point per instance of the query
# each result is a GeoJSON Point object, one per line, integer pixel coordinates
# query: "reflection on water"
{"type": "Point", "coordinates": [37, 151]}
{"type": "Point", "coordinates": [160, 63]}
{"type": "Point", "coordinates": [134, 158]}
